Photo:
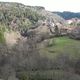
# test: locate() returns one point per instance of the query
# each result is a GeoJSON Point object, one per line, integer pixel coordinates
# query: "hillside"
{"type": "Point", "coordinates": [18, 15]}
{"type": "Point", "coordinates": [34, 45]}
{"type": "Point", "coordinates": [68, 15]}
{"type": "Point", "coordinates": [21, 16]}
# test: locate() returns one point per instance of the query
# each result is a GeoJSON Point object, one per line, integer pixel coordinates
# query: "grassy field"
{"type": "Point", "coordinates": [62, 45]}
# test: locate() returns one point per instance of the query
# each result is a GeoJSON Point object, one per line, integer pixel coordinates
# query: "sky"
{"type": "Point", "coordinates": [52, 5]}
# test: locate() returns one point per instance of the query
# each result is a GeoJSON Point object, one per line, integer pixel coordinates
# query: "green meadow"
{"type": "Point", "coordinates": [62, 45]}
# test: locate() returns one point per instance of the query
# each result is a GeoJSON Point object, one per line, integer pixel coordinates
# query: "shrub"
{"type": "Point", "coordinates": [2, 39]}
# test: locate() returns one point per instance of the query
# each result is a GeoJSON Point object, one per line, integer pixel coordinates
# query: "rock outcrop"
{"type": "Point", "coordinates": [75, 33]}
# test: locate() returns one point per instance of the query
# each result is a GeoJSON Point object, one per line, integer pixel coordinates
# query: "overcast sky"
{"type": "Point", "coordinates": [52, 5]}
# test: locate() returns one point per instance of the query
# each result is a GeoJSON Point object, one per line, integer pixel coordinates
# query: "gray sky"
{"type": "Point", "coordinates": [52, 5]}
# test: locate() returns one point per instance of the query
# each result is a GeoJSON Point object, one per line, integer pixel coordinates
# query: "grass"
{"type": "Point", "coordinates": [58, 48]}
{"type": "Point", "coordinates": [62, 45]}
{"type": "Point", "coordinates": [2, 39]}
{"type": "Point", "coordinates": [3, 28]}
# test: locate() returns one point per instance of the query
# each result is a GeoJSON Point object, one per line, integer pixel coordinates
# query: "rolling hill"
{"type": "Point", "coordinates": [68, 15]}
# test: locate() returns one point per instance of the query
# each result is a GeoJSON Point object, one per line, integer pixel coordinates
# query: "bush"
{"type": "Point", "coordinates": [2, 39]}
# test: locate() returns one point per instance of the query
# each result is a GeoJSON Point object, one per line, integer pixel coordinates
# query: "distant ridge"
{"type": "Point", "coordinates": [68, 15]}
